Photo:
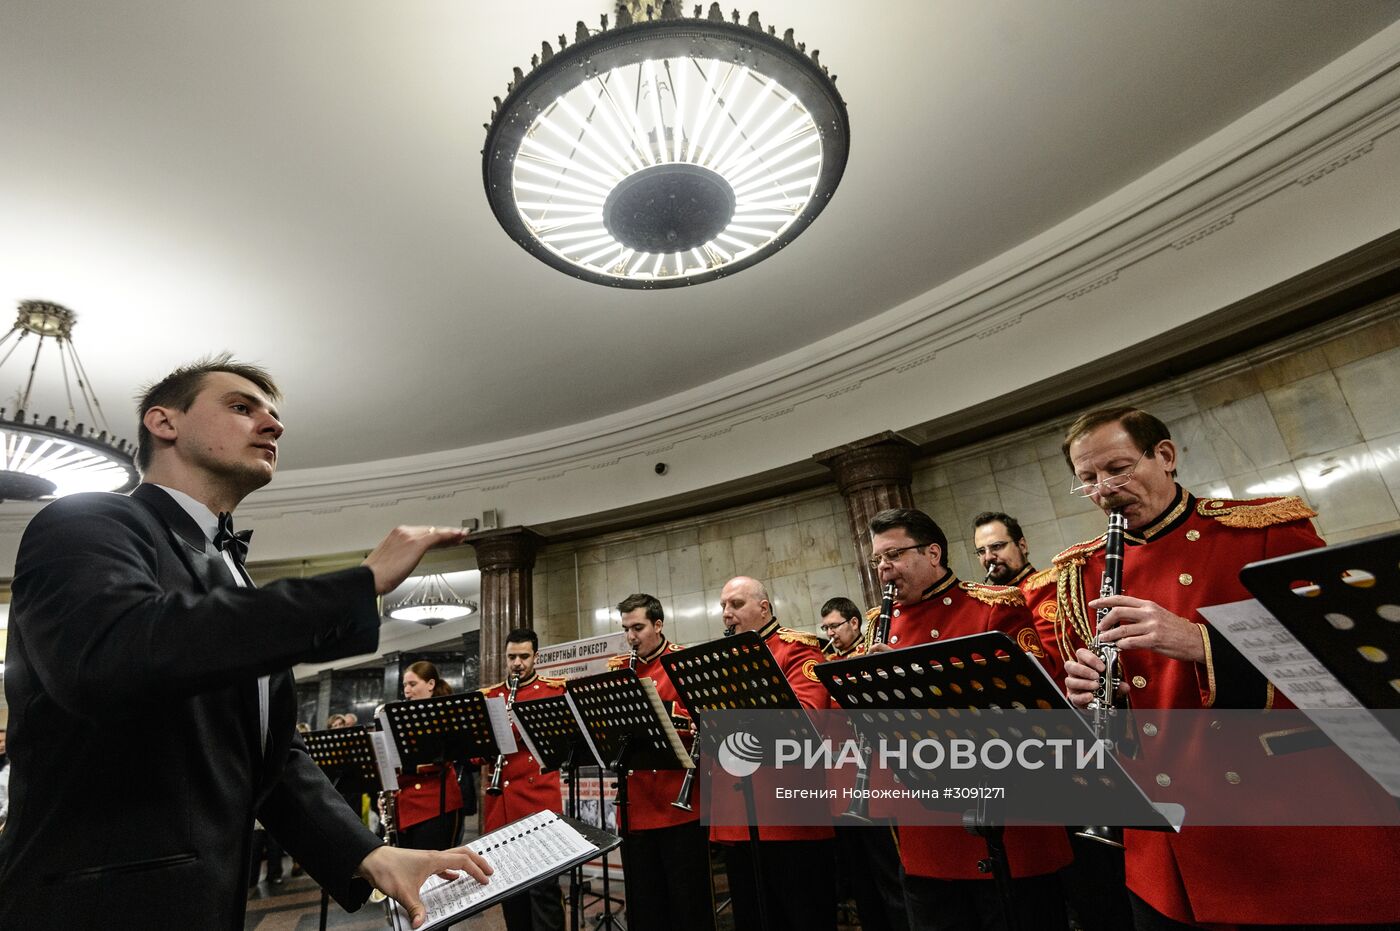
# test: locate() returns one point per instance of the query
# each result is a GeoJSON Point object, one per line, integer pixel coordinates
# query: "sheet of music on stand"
{"type": "Point", "coordinates": [534, 848]}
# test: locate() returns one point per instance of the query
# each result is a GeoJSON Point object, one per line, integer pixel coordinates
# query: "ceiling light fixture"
{"type": "Point", "coordinates": [665, 151]}
{"type": "Point", "coordinates": [46, 460]}
{"type": "Point", "coordinates": [432, 602]}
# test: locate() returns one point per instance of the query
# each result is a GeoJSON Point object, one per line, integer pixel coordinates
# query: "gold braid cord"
{"type": "Point", "coordinates": [868, 638]}
{"type": "Point", "coordinates": [1040, 579]}
{"type": "Point", "coordinates": [1069, 591]}
{"type": "Point", "coordinates": [798, 636]}
{"type": "Point", "coordinates": [1261, 512]}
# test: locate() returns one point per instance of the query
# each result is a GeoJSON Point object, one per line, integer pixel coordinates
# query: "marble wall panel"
{"type": "Point", "coordinates": [1360, 343]}
{"type": "Point", "coordinates": [784, 544]}
{"type": "Point", "coordinates": [1045, 540]}
{"type": "Point", "coordinates": [682, 536]}
{"type": "Point", "coordinates": [825, 584]}
{"type": "Point", "coordinates": [969, 468]}
{"type": "Point", "coordinates": [716, 562]}
{"type": "Point", "coordinates": [821, 544]}
{"type": "Point", "coordinates": [1009, 455]}
{"type": "Point", "coordinates": [750, 555]}
{"type": "Point", "coordinates": [820, 507]}
{"type": "Point", "coordinates": [1346, 489]}
{"type": "Point", "coordinates": [1385, 453]}
{"type": "Point", "coordinates": [791, 597]}
{"type": "Point", "coordinates": [1024, 494]}
{"type": "Point", "coordinates": [651, 543]}
{"type": "Point", "coordinates": [685, 569]}
{"type": "Point", "coordinates": [592, 588]}
{"type": "Point", "coordinates": [971, 498]}
{"type": "Point", "coordinates": [1244, 436]}
{"type": "Point", "coordinates": [646, 574]}
{"type": "Point", "coordinates": [784, 516]}
{"type": "Point", "coordinates": [661, 562]}
{"type": "Point", "coordinates": [685, 618]}
{"type": "Point", "coordinates": [622, 579]}
{"type": "Point", "coordinates": [1312, 415]}
{"type": "Point", "coordinates": [1197, 463]}
{"type": "Point", "coordinates": [1371, 387]}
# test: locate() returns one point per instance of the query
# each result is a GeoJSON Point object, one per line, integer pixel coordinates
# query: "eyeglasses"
{"type": "Point", "coordinates": [1118, 480]}
{"type": "Point", "coordinates": [830, 629]}
{"type": "Point", "coordinates": [890, 556]}
{"type": "Point", "coordinates": [991, 549]}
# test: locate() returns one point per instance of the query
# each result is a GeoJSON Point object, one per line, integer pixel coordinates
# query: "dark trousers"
{"type": "Point", "coordinates": [1147, 918]}
{"type": "Point", "coordinates": [437, 833]}
{"type": "Point", "coordinates": [975, 905]}
{"type": "Point", "coordinates": [668, 878]}
{"type": "Point", "coordinates": [265, 846]}
{"type": "Point", "coordinates": [868, 860]}
{"type": "Point", "coordinates": [798, 894]}
{"type": "Point", "coordinates": [1095, 886]}
{"type": "Point", "coordinates": [539, 908]}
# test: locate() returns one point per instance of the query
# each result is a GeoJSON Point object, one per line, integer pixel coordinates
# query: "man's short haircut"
{"type": "Point", "coordinates": [181, 387]}
{"type": "Point", "coordinates": [846, 606]}
{"type": "Point", "coordinates": [1145, 430]}
{"type": "Point", "coordinates": [921, 528]}
{"type": "Point", "coordinates": [642, 600]}
{"type": "Point", "coordinates": [524, 635]}
{"type": "Point", "coordinates": [1013, 526]}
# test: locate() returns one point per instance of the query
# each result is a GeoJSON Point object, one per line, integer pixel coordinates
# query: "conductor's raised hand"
{"type": "Point", "coordinates": [398, 554]}
{"type": "Point", "coordinates": [399, 873]}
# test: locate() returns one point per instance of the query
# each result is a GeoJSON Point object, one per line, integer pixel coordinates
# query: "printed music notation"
{"type": "Point", "coordinates": [1298, 674]}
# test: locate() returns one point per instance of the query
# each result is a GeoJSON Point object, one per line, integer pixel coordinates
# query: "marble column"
{"type": "Point", "coordinates": [872, 474]}
{"type": "Point", "coordinates": [506, 558]}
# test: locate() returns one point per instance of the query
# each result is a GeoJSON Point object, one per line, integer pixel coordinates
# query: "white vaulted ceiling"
{"type": "Point", "coordinates": [300, 182]}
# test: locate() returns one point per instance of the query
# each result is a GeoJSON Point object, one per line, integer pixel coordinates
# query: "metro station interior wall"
{"type": "Point", "coordinates": [1313, 414]}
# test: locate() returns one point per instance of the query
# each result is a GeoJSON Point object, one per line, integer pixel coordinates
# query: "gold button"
{"type": "Point", "coordinates": [1139, 681]}
{"type": "Point", "coordinates": [1150, 730]}
{"type": "Point", "coordinates": [1164, 780]}
{"type": "Point", "coordinates": [418, 785]}
{"type": "Point", "coordinates": [1217, 504]}
{"type": "Point", "coordinates": [947, 601]}
{"type": "Point", "coordinates": [1232, 778]}
{"type": "Point", "coordinates": [894, 639]}
{"type": "Point", "coordinates": [934, 633]}
{"type": "Point", "coordinates": [1193, 535]}
{"type": "Point", "coordinates": [896, 613]}
{"type": "Point", "coordinates": [1185, 578]}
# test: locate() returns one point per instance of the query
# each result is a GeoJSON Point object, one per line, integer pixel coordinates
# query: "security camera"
{"type": "Point", "coordinates": [661, 468]}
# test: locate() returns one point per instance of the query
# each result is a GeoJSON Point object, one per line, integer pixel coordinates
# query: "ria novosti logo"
{"type": "Point", "coordinates": [740, 754]}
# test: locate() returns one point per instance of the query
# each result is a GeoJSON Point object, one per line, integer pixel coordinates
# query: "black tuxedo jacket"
{"type": "Point", "coordinates": [131, 678]}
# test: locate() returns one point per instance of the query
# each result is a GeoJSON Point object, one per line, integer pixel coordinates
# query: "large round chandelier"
{"type": "Point", "coordinates": [431, 602]}
{"type": "Point", "coordinates": [665, 151]}
{"type": "Point", "coordinates": [48, 459]}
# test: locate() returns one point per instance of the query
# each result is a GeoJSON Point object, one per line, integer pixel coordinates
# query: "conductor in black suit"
{"type": "Point", "coordinates": [151, 707]}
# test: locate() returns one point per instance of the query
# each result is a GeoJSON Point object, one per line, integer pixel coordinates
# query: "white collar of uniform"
{"type": "Point", "coordinates": [207, 520]}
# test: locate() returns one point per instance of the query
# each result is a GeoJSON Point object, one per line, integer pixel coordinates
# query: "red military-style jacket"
{"type": "Point", "coordinates": [797, 653]}
{"type": "Point", "coordinates": [1189, 558]}
{"type": "Point", "coordinates": [525, 790]}
{"type": "Point", "coordinates": [958, 609]}
{"type": "Point", "coordinates": [1038, 588]}
{"type": "Point", "coordinates": [422, 795]}
{"type": "Point", "coordinates": [650, 792]}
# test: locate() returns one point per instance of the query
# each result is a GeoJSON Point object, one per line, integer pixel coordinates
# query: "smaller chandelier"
{"type": "Point", "coordinates": [432, 602]}
{"type": "Point", "coordinates": [666, 151]}
{"type": "Point", "coordinates": [48, 459]}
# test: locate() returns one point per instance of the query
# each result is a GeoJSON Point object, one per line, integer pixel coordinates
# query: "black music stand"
{"type": "Point", "coordinates": [627, 727]}
{"type": "Point", "coordinates": [735, 673]}
{"type": "Point", "coordinates": [1346, 620]}
{"type": "Point", "coordinates": [982, 684]}
{"type": "Point", "coordinates": [555, 738]}
{"type": "Point", "coordinates": [348, 758]}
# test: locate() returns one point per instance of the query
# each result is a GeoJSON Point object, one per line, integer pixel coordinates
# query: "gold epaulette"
{"type": "Point", "coordinates": [1079, 553]}
{"type": "Point", "coordinates": [995, 594]}
{"type": "Point", "coordinates": [557, 682]}
{"type": "Point", "coordinates": [1041, 579]}
{"type": "Point", "coordinates": [488, 688]}
{"type": "Point", "coordinates": [873, 613]}
{"type": "Point", "coordinates": [618, 661]}
{"type": "Point", "coordinates": [1256, 512]}
{"type": "Point", "coordinates": [799, 636]}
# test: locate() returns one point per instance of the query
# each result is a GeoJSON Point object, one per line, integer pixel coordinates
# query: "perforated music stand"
{"type": "Point", "coordinates": [557, 740]}
{"type": "Point", "coordinates": [434, 730]}
{"type": "Point", "coordinates": [1346, 617]}
{"type": "Point", "coordinates": [347, 756]}
{"type": "Point", "coordinates": [981, 686]}
{"type": "Point", "coordinates": [736, 673]}
{"type": "Point", "coordinates": [627, 727]}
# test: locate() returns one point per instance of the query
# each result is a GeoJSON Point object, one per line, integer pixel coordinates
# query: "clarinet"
{"type": "Point", "coordinates": [859, 809]}
{"type": "Point", "coordinates": [632, 659]}
{"type": "Point", "coordinates": [1104, 705]}
{"type": "Point", "coordinates": [495, 787]}
{"type": "Point", "coordinates": [990, 570]}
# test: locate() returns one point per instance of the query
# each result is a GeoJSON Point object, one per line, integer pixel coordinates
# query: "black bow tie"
{"type": "Point", "coordinates": [229, 540]}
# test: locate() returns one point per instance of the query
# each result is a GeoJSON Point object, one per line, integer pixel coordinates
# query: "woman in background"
{"type": "Point", "coordinates": [429, 805]}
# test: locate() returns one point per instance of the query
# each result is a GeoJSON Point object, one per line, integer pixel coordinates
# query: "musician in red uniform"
{"type": "Point", "coordinates": [1005, 556]}
{"type": "Point", "coordinates": [665, 852]}
{"type": "Point", "coordinates": [524, 789]}
{"type": "Point", "coordinates": [429, 805]}
{"type": "Point", "coordinates": [867, 857]}
{"type": "Point", "coordinates": [796, 861]}
{"type": "Point", "coordinates": [1182, 553]}
{"type": "Point", "coordinates": [943, 887]}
